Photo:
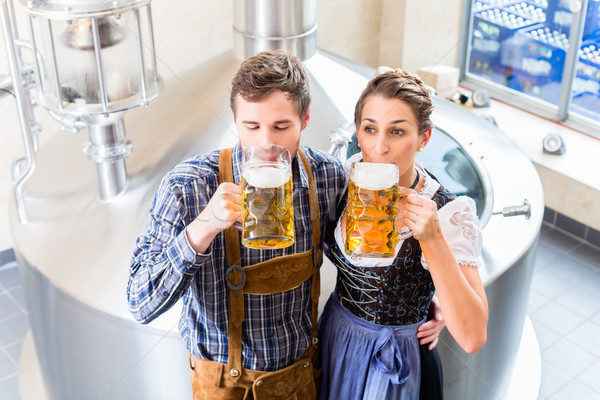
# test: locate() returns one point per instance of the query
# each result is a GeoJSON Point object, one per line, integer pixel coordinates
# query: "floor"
{"type": "Point", "coordinates": [564, 309]}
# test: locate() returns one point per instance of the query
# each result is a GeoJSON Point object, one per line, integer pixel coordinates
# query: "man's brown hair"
{"type": "Point", "coordinates": [270, 71]}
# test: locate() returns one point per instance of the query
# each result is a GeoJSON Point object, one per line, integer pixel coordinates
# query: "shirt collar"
{"type": "Point", "coordinates": [300, 177]}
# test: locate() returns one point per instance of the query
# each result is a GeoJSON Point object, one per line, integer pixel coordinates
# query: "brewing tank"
{"type": "Point", "coordinates": [74, 253]}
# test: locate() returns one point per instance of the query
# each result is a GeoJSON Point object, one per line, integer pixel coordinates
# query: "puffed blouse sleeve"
{"type": "Point", "coordinates": [461, 228]}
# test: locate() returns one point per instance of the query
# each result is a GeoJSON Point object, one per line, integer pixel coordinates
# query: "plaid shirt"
{"type": "Point", "coordinates": [277, 328]}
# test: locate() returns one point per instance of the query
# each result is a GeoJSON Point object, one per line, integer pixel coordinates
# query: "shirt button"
{"type": "Point", "coordinates": [234, 372]}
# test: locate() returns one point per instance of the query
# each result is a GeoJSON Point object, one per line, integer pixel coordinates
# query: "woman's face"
{"type": "Point", "coordinates": [388, 133]}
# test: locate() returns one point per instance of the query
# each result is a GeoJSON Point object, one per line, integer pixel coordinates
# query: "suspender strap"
{"type": "Point", "coordinates": [236, 297]}
{"type": "Point", "coordinates": [317, 250]}
{"type": "Point", "coordinates": [271, 276]}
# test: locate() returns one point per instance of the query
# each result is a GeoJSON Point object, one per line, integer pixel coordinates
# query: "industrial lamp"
{"type": "Point", "coordinates": [91, 61]}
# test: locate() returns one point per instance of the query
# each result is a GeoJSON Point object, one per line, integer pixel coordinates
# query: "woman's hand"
{"type": "Point", "coordinates": [420, 215]}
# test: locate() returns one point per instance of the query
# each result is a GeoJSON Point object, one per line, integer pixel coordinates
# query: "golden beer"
{"type": "Point", "coordinates": [371, 210]}
{"type": "Point", "coordinates": [267, 207]}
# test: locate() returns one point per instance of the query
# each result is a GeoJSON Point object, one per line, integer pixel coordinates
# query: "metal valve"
{"type": "Point", "coordinates": [511, 211]}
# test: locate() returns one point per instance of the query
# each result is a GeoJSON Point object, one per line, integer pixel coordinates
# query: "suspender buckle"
{"type": "Point", "coordinates": [232, 285]}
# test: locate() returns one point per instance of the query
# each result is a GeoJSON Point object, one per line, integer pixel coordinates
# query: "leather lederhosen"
{"type": "Point", "coordinates": [213, 380]}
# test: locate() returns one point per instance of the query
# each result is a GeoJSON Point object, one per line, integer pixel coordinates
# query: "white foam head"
{"type": "Point", "coordinates": [374, 176]}
{"type": "Point", "coordinates": [266, 177]}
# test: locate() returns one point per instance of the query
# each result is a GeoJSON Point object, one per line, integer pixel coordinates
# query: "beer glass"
{"type": "Point", "coordinates": [371, 211]}
{"type": "Point", "coordinates": [267, 207]}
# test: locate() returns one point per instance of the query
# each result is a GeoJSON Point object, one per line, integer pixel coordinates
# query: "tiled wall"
{"type": "Point", "coordinates": [574, 228]}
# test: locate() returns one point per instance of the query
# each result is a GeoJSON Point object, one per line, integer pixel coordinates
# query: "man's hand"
{"type": "Point", "coordinates": [222, 211]}
{"type": "Point", "coordinates": [429, 332]}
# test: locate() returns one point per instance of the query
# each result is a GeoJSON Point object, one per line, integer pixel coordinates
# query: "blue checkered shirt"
{"type": "Point", "coordinates": [277, 328]}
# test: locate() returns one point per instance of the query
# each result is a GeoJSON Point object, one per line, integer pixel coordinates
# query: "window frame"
{"type": "Point", "coordinates": [560, 113]}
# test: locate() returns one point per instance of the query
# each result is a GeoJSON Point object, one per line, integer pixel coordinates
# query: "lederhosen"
{"type": "Point", "coordinates": [213, 380]}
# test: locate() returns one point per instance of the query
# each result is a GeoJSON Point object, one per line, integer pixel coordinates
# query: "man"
{"type": "Point", "coordinates": [244, 343]}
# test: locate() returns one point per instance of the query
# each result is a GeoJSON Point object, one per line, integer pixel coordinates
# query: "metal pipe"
{"type": "Point", "coordinates": [6, 86]}
{"type": "Point", "coordinates": [37, 64]}
{"type": "Point", "coordinates": [97, 50]}
{"type": "Point", "coordinates": [275, 24]}
{"type": "Point", "coordinates": [23, 103]}
{"type": "Point", "coordinates": [152, 51]}
{"type": "Point", "coordinates": [57, 86]}
{"type": "Point", "coordinates": [108, 148]}
{"type": "Point", "coordinates": [140, 46]}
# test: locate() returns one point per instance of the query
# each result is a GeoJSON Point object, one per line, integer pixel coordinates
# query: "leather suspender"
{"type": "Point", "coordinates": [272, 276]}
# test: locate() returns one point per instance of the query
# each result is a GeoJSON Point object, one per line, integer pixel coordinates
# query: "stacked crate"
{"type": "Point", "coordinates": [491, 28]}
{"type": "Point", "coordinates": [560, 17]}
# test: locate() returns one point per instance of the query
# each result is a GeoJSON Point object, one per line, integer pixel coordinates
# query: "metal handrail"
{"type": "Point", "coordinates": [23, 102]}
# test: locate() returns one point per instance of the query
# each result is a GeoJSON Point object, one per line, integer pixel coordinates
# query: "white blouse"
{"type": "Point", "coordinates": [458, 221]}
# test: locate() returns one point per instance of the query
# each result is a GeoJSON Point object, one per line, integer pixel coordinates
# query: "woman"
{"type": "Point", "coordinates": [369, 325]}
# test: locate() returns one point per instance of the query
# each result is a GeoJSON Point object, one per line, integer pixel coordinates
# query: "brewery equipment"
{"type": "Point", "coordinates": [73, 251]}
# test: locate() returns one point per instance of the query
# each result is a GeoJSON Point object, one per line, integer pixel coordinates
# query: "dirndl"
{"type": "Point", "coordinates": [364, 361]}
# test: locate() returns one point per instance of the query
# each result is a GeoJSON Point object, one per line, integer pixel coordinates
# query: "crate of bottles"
{"type": "Point", "coordinates": [560, 17]}
{"type": "Point", "coordinates": [525, 9]}
{"type": "Point", "coordinates": [491, 28]}
{"type": "Point", "coordinates": [587, 76]}
{"type": "Point", "coordinates": [538, 52]}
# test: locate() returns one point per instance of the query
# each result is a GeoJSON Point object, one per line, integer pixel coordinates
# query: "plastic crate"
{"type": "Point", "coordinates": [491, 28]}
{"type": "Point", "coordinates": [497, 3]}
{"type": "Point", "coordinates": [527, 10]}
{"type": "Point", "coordinates": [587, 76]}
{"type": "Point", "coordinates": [543, 4]}
{"type": "Point", "coordinates": [560, 17]}
{"type": "Point", "coordinates": [537, 52]}
{"type": "Point", "coordinates": [587, 104]}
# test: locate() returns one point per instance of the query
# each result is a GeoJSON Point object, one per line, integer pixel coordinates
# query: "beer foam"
{"type": "Point", "coordinates": [266, 177]}
{"type": "Point", "coordinates": [374, 176]}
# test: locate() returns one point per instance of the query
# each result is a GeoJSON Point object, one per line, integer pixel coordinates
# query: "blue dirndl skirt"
{"type": "Point", "coordinates": [364, 361]}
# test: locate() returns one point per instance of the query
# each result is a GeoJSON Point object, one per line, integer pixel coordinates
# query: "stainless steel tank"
{"type": "Point", "coordinates": [74, 253]}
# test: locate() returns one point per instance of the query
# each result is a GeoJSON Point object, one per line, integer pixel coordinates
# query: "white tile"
{"type": "Point", "coordinates": [570, 270]}
{"type": "Point", "coordinates": [552, 379]}
{"type": "Point", "coordinates": [545, 336]}
{"type": "Point", "coordinates": [592, 285]}
{"type": "Point", "coordinates": [536, 301]}
{"type": "Point", "coordinates": [14, 351]}
{"type": "Point", "coordinates": [587, 336]}
{"type": "Point", "coordinates": [8, 307]}
{"type": "Point", "coordinates": [13, 329]}
{"type": "Point", "coordinates": [9, 278]}
{"type": "Point", "coordinates": [575, 390]}
{"type": "Point", "coordinates": [589, 376]}
{"type": "Point", "coordinates": [7, 366]}
{"type": "Point", "coordinates": [568, 357]}
{"type": "Point", "coordinates": [580, 301]}
{"type": "Point", "coordinates": [9, 387]}
{"type": "Point", "coordinates": [549, 284]}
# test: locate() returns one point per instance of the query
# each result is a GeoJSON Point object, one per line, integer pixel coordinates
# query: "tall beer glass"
{"type": "Point", "coordinates": [267, 207]}
{"type": "Point", "coordinates": [371, 210]}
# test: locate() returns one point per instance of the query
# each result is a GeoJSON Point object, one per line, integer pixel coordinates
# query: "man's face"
{"type": "Point", "coordinates": [272, 121]}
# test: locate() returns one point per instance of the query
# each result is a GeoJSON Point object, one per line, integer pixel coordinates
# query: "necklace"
{"type": "Point", "coordinates": [416, 182]}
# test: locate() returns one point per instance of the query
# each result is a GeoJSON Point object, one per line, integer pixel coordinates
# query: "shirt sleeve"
{"type": "Point", "coordinates": [163, 261]}
{"type": "Point", "coordinates": [461, 228]}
